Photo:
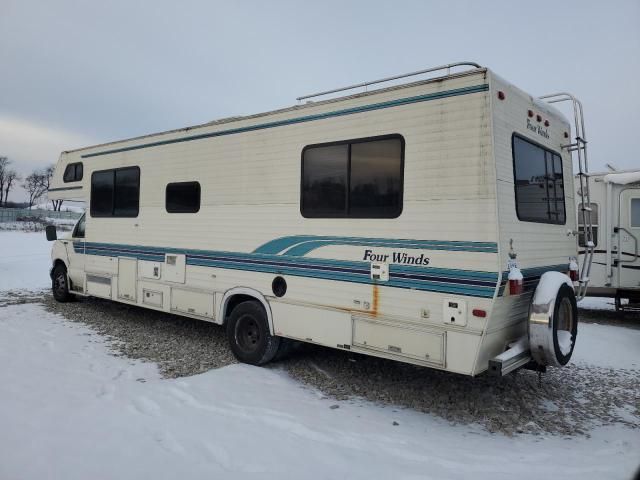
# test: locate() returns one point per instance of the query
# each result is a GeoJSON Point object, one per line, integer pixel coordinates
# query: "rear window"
{"type": "Point", "coordinates": [539, 183]}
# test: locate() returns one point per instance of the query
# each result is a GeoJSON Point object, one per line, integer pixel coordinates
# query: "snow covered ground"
{"type": "Point", "coordinates": [71, 409]}
{"type": "Point", "coordinates": [24, 260]}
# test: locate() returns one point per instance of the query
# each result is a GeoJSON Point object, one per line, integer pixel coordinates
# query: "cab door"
{"type": "Point", "coordinates": [76, 255]}
{"type": "Point", "coordinates": [628, 236]}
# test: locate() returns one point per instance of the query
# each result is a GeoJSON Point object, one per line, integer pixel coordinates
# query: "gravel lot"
{"type": "Point", "coordinates": [568, 401]}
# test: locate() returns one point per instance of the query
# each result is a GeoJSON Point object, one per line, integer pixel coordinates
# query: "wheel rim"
{"type": "Point", "coordinates": [60, 283]}
{"type": "Point", "coordinates": [565, 320]}
{"type": "Point", "coordinates": [248, 334]}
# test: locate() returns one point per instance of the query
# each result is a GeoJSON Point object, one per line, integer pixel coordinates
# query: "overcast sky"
{"type": "Point", "coordinates": [76, 73]}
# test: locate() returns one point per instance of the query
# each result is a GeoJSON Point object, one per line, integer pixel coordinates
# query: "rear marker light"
{"type": "Point", "coordinates": [566, 135]}
{"type": "Point", "coordinates": [538, 118]}
{"type": "Point", "coordinates": [477, 312]}
{"type": "Point", "coordinates": [501, 95]}
{"type": "Point", "coordinates": [546, 123]}
{"type": "Point", "coordinates": [516, 280]}
{"type": "Point", "coordinates": [573, 269]}
{"type": "Point", "coordinates": [530, 113]}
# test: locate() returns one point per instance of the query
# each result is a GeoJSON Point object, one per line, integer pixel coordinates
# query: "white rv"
{"type": "Point", "coordinates": [615, 211]}
{"type": "Point", "coordinates": [429, 223]}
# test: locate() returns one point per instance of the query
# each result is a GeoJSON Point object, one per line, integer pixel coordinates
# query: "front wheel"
{"type": "Point", "coordinates": [249, 336]}
{"type": "Point", "coordinates": [60, 284]}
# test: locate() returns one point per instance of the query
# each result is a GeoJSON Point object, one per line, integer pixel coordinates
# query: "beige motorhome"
{"type": "Point", "coordinates": [428, 223]}
{"type": "Point", "coordinates": [615, 207]}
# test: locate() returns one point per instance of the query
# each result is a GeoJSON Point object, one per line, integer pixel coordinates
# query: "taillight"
{"type": "Point", "coordinates": [516, 281]}
{"type": "Point", "coordinates": [573, 269]}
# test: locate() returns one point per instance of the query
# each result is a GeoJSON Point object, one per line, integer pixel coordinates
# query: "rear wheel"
{"type": "Point", "coordinates": [60, 283]}
{"type": "Point", "coordinates": [249, 336]}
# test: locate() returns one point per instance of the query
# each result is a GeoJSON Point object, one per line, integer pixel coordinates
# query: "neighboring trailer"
{"type": "Point", "coordinates": [615, 204]}
{"type": "Point", "coordinates": [413, 223]}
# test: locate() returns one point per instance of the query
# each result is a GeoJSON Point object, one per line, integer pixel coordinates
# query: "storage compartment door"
{"type": "Point", "coordinates": [401, 340]}
{"type": "Point", "coordinates": [192, 302]}
{"type": "Point", "coordinates": [127, 278]}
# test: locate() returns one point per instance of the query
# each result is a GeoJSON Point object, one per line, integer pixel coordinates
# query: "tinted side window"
{"type": "Point", "coordinates": [324, 183]}
{"type": "Point", "coordinates": [376, 173]}
{"type": "Point", "coordinates": [115, 193]}
{"type": "Point", "coordinates": [183, 197]}
{"type": "Point", "coordinates": [355, 179]}
{"type": "Point", "coordinates": [72, 173]}
{"type": "Point", "coordinates": [539, 183]}
{"type": "Point", "coordinates": [127, 192]}
{"type": "Point", "coordinates": [80, 226]}
{"type": "Point", "coordinates": [102, 194]}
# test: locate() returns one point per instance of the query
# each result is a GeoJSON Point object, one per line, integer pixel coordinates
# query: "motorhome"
{"type": "Point", "coordinates": [615, 218]}
{"type": "Point", "coordinates": [430, 222]}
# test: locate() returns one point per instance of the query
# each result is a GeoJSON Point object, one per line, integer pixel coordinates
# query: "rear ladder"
{"type": "Point", "coordinates": [579, 147]}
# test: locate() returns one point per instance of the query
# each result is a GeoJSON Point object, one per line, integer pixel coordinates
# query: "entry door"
{"type": "Point", "coordinates": [629, 238]}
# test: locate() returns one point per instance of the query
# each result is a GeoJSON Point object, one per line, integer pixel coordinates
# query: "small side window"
{"type": "Point", "coordinates": [73, 172]}
{"type": "Point", "coordinates": [635, 212]}
{"type": "Point", "coordinates": [183, 197]}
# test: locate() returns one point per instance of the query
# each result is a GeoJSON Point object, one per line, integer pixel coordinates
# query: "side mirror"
{"type": "Point", "coordinates": [50, 230]}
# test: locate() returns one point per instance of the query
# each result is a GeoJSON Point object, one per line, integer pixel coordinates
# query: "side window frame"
{"type": "Point", "coordinates": [349, 143]}
{"type": "Point", "coordinates": [166, 197]}
{"type": "Point", "coordinates": [113, 188]}
{"type": "Point", "coordinates": [515, 185]}
{"type": "Point", "coordinates": [83, 219]}
{"type": "Point", "coordinates": [78, 172]}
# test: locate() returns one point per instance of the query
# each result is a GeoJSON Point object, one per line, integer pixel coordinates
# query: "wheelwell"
{"type": "Point", "coordinates": [59, 262]}
{"type": "Point", "coordinates": [236, 300]}
{"type": "Point", "coordinates": [56, 262]}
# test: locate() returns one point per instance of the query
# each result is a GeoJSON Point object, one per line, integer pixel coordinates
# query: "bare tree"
{"type": "Point", "coordinates": [47, 175]}
{"type": "Point", "coordinates": [35, 185]}
{"type": "Point", "coordinates": [10, 178]}
{"type": "Point", "coordinates": [4, 167]}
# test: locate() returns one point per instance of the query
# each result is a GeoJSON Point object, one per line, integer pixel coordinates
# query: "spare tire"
{"type": "Point", "coordinates": [553, 322]}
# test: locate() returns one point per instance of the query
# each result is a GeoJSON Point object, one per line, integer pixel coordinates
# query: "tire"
{"type": "Point", "coordinates": [565, 314]}
{"type": "Point", "coordinates": [249, 336]}
{"type": "Point", "coordinates": [60, 284]}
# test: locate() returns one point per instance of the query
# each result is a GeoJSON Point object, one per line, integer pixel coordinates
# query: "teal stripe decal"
{"type": "Point", "coordinates": [299, 245]}
{"type": "Point", "coordinates": [454, 281]}
{"type": "Point", "coordinates": [308, 118]}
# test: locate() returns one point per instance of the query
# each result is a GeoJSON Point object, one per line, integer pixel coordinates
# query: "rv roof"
{"type": "Point", "coordinates": [473, 71]}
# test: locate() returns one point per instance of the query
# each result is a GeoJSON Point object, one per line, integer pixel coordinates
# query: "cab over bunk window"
{"type": "Point", "coordinates": [353, 179]}
{"type": "Point", "coordinates": [73, 172]}
{"type": "Point", "coordinates": [182, 197]}
{"type": "Point", "coordinates": [539, 183]}
{"type": "Point", "coordinates": [115, 193]}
